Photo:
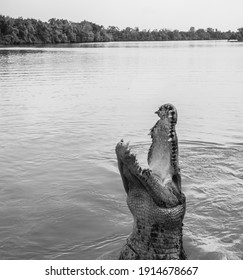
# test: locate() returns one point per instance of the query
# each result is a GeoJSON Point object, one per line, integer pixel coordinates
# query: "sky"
{"type": "Point", "coordinates": [145, 14]}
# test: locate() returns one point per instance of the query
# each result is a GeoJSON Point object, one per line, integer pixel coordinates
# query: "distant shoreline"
{"type": "Point", "coordinates": [19, 31]}
{"type": "Point", "coordinates": [89, 43]}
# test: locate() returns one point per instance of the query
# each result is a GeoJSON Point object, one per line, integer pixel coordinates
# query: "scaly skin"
{"type": "Point", "coordinates": [154, 195]}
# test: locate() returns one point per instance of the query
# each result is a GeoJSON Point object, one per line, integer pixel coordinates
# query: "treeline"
{"type": "Point", "coordinates": [31, 31]}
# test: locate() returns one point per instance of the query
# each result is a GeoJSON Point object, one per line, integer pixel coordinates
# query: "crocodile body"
{"type": "Point", "coordinates": [154, 194]}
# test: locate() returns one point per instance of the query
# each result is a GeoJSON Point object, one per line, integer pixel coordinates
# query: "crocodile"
{"type": "Point", "coordinates": [154, 194]}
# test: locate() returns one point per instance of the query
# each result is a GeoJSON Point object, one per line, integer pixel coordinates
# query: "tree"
{"type": "Point", "coordinates": [192, 33]}
{"type": "Point", "coordinates": [87, 30]}
{"type": "Point", "coordinates": [239, 34]}
{"type": "Point", "coordinates": [202, 34]}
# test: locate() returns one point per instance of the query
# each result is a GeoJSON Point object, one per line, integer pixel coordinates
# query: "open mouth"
{"type": "Point", "coordinates": [162, 180]}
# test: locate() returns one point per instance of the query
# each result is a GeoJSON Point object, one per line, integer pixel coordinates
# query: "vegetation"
{"type": "Point", "coordinates": [31, 31]}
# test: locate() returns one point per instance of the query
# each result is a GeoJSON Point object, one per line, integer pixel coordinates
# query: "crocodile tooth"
{"type": "Point", "coordinates": [144, 172]}
{"type": "Point", "coordinates": [126, 146]}
{"type": "Point", "coordinates": [148, 172]}
{"type": "Point", "coordinates": [170, 139]}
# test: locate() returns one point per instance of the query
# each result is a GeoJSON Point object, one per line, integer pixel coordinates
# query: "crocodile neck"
{"type": "Point", "coordinates": [154, 242]}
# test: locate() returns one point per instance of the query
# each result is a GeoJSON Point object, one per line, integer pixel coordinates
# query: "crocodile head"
{"type": "Point", "coordinates": [159, 186]}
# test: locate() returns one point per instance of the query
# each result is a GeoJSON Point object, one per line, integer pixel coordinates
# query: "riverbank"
{"type": "Point", "coordinates": [19, 31]}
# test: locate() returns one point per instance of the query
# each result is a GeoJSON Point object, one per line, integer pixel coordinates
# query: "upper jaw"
{"type": "Point", "coordinates": [169, 112]}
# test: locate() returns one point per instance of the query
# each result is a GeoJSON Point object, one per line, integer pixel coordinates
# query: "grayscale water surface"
{"type": "Point", "coordinates": [64, 108]}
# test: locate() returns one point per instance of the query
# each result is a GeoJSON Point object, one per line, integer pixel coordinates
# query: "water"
{"type": "Point", "coordinates": [64, 108]}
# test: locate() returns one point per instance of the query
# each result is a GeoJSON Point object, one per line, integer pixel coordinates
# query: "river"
{"type": "Point", "coordinates": [63, 108]}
